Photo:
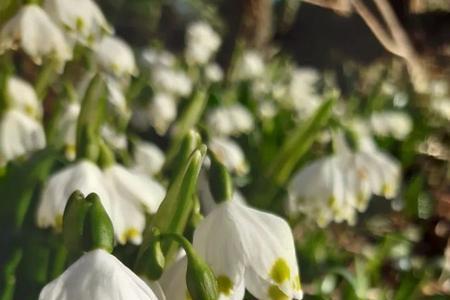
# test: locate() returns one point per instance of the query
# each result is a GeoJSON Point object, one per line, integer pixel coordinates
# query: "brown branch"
{"type": "Point", "coordinates": [377, 29]}
{"type": "Point", "coordinates": [340, 6]}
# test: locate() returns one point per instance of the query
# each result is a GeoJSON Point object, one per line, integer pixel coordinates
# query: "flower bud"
{"type": "Point", "coordinates": [220, 182]}
{"type": "Point", "coordinates": [98, 230]}
{"type": "Point", "coordinates": [73, 221]}
{"type": "Point", "coordinates": [200, 280]}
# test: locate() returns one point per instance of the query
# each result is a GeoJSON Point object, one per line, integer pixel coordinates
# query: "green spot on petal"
{"type": "Point", "coordinates": [280, 271]}
{"type": "Point", "coordinates": [225, 285]}
{"type": "Point", "coordinates": [276, 294]}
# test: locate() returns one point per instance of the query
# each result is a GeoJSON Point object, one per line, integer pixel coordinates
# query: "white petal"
{"type": "Point", "coordinates": [173, 281]}
{"type": "Point", "coordinates": [23, 97]}
{"type": "Point", "coordinates": [97, 275]}
{"type": "Point", "coordinates": [84, 176]}
{"type": "Point", "coordinates": [115, 56]}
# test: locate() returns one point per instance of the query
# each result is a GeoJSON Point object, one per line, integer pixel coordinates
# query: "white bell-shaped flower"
{"type": "Point", "coordinates": [115, 57]}
{"type": "Point", "coordinates": [214, 72]}
{"type": "Point", "coordinates": [82, 20]}
{"type": "Point", "coordinates": [33, 30]}
{"type": "Point", "coordinates": [302, 92]}
{"type": "Point", "coordinates": [114, 139]}
{"type": "Point", "coordinates": [23, 97]}
{"type": "Point", "coordinates": [156, 57]}
{"type": "Point", "coordinates": [247, 248]}
{"type": "Point", "coordinates": [171, 81]}
{"type": "Point", "coordinates": [131, 194]}
{"type": "Point", "coordinates": [201, 43]}
{"type": "Point", "coordinates": [230, 120]}
{"type": "Point", "coordinates": [251, 66]}
{"type": "Point", "coordinates": [161, 112]}
{"type": "Point", "coordinates": [97, 275]}
{"type": "Point", "coordinates": [19, 135]}
{"type": "Point", "coordinates": [66, 128]}
{"type": "Point", "coordinates": [320, 190]}
{"type": "Point", "coordinates": [391, 123]}
{"type": "Point", "coordinates": [84, 176]}
{"type": "Point", "coordinates": [173, 280]}
{"type": "Point", "coordinates": [148, 158]}
{"type": "Point", "coordinates": [230, 154]}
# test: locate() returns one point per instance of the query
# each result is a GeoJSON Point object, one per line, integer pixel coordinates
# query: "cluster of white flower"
{"type": "Point", "coordinates": [333, 188]}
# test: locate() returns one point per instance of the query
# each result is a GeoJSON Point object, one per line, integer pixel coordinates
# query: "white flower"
{"type": "Point", "coordinates": [335, 187]}
{"type": "Point", "coordinates": [323, 192]}
{"type": "Point", "coordinates": [81, 19]}
{"type": "Point", "coordinates": [115, 57]}
{"type": "Point", "coordinates": [173, 280]}
{"type": "Point", "coordinates": [161, 112]}
{"type": "Point", "coordinates": [441, 106]}
{"type": "Point", "coordinates": [391, 123]}
{"type": "Point", "coordinates": [115, 139]}
{"type": "Point", "coordinates": [23, 97]}
{"type": "Point", "coordinates": [19, 135]}
{"type": "Point", "coordinates": [302, 91]}
{"type": "Point", "coordinates": [251, 66]}
{"type": "Point", "coordinates": [247, 248]}
{"type": "Point", "coordinates": [116, 98]}
{"type": "Point", "coordinates": [230, 120]}
{"type": "Point", "coordinates": [97, 275]}
{"type": "Point", "coordinates": [213, 72]}
{"type": "Point", "coordinates": [66, 126]}
{"type": "Point", "coordinates": [171, 81]}
{"type": "Point", "coordinates": [201, 43]}
{"type": "Point", "coordinates": [131, 195]}
{"type": "Point", "coordinates": [230, 154]}
{"type": "Point", "coordinates": [154, 57]}
{"type": "Point", "coordinates": [149, 159]}
{"type": "Point", "coordinates": [82, 175]}
{"type": "Point", "coordinates": [36, 34]}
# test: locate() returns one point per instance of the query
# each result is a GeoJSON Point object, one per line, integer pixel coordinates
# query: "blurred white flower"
{"type": "Point", "coordinates": [116, 98]}
{"type": "Point", "coordinates": [19, 135]}
{"type": "Point", "coordinates": [23, 97]}
{"type": "Point", "coordinates": [148, 158]}
{"type": "Point", "coordinates": [113, 138]}
{"type": "Point", "coordinates": [213, 72]}
{"type": "Point", "coordinates": [161, 112]}
{"type": "Point", "coordinates": [153, 57]}
{"type": "Point", "coordinates": [82, 20]}
{"type": "Point", "coordinates": [391, 123]}
{"type": "Point", "coordinates": [131, 195]}
{"type": "Point", "coordinates": [201, 43]}
{"type": "Point", "coordinates": [302, 91]}
{"type": "Point", "coordinates": [171, 81]}
{"type": "Point", "coordinates": [230, 120]}
{"type": "Point", "coordinates": [335, 187]}
{"type": "Point", "coordinates": [227, 239]}
{"type": "Point", "coordinates": [97, 275]}
{"type": "Point", "coordinates": [442, 107]}
{"type": "Point", "coordinates": [82, 175]}
{"type": "Point", "coordinates": [251, 66]}
{"type": "Point", "coordinates": [230, 154]}
{"type": "Point", "coordinates": [115, 57]}
{"type": "Point", "coordinates": [66, 128]}
{"type": "Point", "coordinates": [32, 30]}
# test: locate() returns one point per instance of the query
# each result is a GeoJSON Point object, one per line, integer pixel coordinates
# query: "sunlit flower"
{"type": "Point", "coordinates": [201, 43]}
{"type": "Point", "coordinates": [391, 123]}
{"type": "Point", "coordinates": [32, 30]}
{"type": "Point", "coordinates": [131, 195]}
{"type": "Point", "coordinates": [97, 275]}
{"type": "Point", "coordinates": [230, 154]}
{"type": "Point", "coordinates": [81, 19]}
{"type": "Point", "coordinates": [115, 57]}
{"type": "Point", "coordinates": [84, 176]}
{"type": "Point", "coordinates": [148, 158]}
{"type": "Point", "coordinates": [251, 66]}
{"type": "Point", "coordinates": [230, 120]}
{"type": "Point", "coordinates": [23, 97]}
{"type": "Point", "coordinates": [19, 135]}
{"type": "Point", "coordinates": [247, 248]}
